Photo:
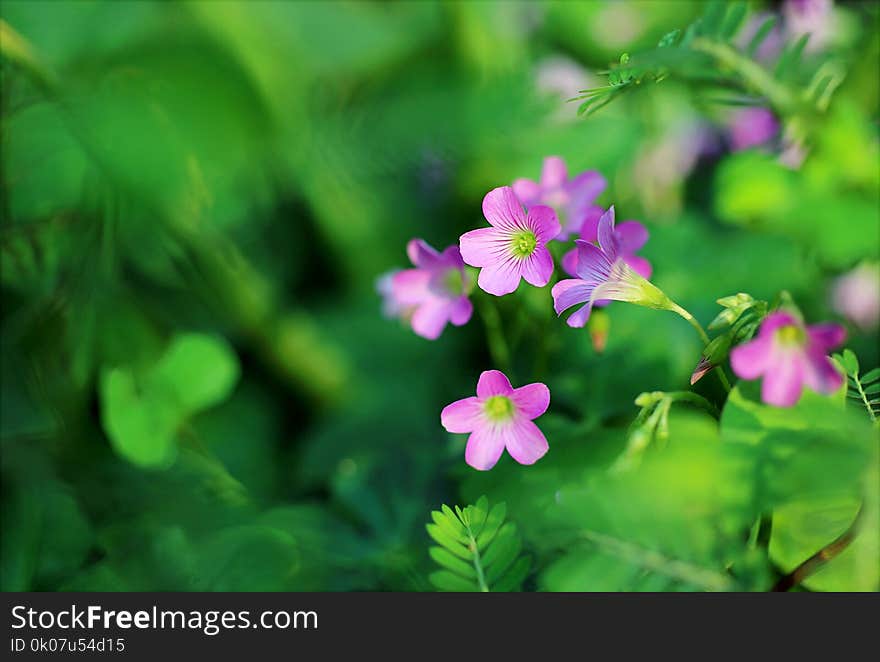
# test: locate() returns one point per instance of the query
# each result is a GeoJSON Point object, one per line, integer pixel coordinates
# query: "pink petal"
{"type": "Point", "coordinates": [451, 257]}
{"type": "Point", "coordinates": [569, 262]}
{"type": "Point", "coordinates": [543, 222]}
{"type": "Point", "coordinates": [570, 292]}
{"type": "Point", "coordinates": [826, 336]}
{"type": "Point", "coordinates": [631, 236]}
{"type": "Point", "coordinates": [493, 382]}
{"type": "Point", "coordinates": [554, 173]}
{"type": "Point", "coordinates": [590, 224]}
{"type": "Point", "coordinates": [421, 254]}
{"type": "Point", "coordinates": [777, 320]}
{"type": "Point", "coordinates": [750, 360]}
{"type": "Point", "coordinates": [502, 278]}
{"type": "Point", "coordinates": [484, 447]}
{"type": "Point", "coordinates": [531, 400]}
{"type": "Point", "coordinates": [640, 265]}
{"type": "Point", "coordinates": [485, 246]}
{"type": "Point", "coordinates": [528, 192]}
{"type": "Point", "coordinates": [784, 379]}
{"type": "Point", "coordinates": [502, 208]}
{"type": "Point", "coordinates": [431, 317]}
{"type": "Point", "coordinates": [593, 264]}
{"type": "Point", "coordinates": [410, 286]}
{"type": "Point", "coordinates": [462, 415]}
{"type": "Point", "coordinates": [538, 267]}
{"type": "Point", "coordinates": [586, 187]}
{"type": "Point", "coordinates": [820, 374]}
{"type": "Point", "coordinates": [525, 442]}
{"type": "Point", "coordinates": [607, 240]}
{"type": "Point", "coordinates": [461, 311]}
{"type": "Point", "coordinates": [579, 318]}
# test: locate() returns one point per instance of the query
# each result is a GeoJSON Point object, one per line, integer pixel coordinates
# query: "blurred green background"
{"type": "Point", "coordinates": [199, 391]}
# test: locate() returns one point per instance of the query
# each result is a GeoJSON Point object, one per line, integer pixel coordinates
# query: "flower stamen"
{"type": "Point", "coordinates": [523, 243]}
{"type": "Point", "coordinates": [498, 408]}
{"type": "Point", "coordinates": [791, 335]}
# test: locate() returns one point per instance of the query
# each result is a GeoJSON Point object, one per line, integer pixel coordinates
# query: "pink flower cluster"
{"type": "Point", "coordinates": [523, 221]}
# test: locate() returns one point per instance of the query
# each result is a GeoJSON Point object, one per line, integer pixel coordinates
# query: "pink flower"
{"type": "Point", "coordinates": [514, 247]}
{"type": "Point", "coordinates": [815, 17]}
{"type": "Point", "coordinates": [751, 127]}
{"type": "Point", "coordinates": [789, 355]}
{"type": "Point", "coordinates": [391, 307]}
{"type": "Point", "coordinates": [629, 235]}
{"type": "Point", "coordinates": [856, 296]}
{"type": "Point", "coordinates": [604, 274]}
{"type": "Point", "coordinates": [433, 293]}
{"type": "Point", "coordinates": [499, 417]}
{"type": "Point", "coordinates": [571, 198]}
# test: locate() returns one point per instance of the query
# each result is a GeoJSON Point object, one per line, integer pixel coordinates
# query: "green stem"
{"type": "Point", "coordinates": [478, 565]}
{"type": "Point", "coordinates": [864, 397]}
{"type": "Point", "coordinates": [690, 319]}
{"type": "Point", "coordinates": [821, 557]}
{"type": "Point", "coordinates": [498, 347]}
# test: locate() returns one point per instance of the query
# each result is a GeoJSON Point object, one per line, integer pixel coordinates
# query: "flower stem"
{"type": "Point", "coordinates": [695, 399]}
{"type": "Point", "coordinates": [477, 561]}
{"type": "Point", "coordinates": [498, 347]}
{"type": "Point", "coordinates": [820, 558]}
{"type": "Point", "coordinates": [690, 319]}
{"type": "Point", "coordinates": [865, 401]}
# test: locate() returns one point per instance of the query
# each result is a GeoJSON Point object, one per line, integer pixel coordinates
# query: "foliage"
{"type": "Point", "coordinates": [198, 391]}
{"type": "Point", "coordinates": [863, 389]}
{"type": "Point", "coordinates": [478, 550]}
{"type": "Point", "coordinates": [705, 54]}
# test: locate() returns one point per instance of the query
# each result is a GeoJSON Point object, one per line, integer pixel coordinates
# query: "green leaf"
{"type": "Point", "coordinates": [761, 34]}
{"type": "Point", "coordinates": [449, 581]}
{"type": "Point", "coordinates": [447, 560]}
{"type": "Point", "coordinates": [501, 553]}
{"type": "Point", "coordinates": [512, 581]}
{"type": "Point", "coordinates": [871, 376]}
{"type": "Point", "coordinates": [141, 426]}
{"type": "Point", "coordinates": [46, 535]}
{"type": "Point", "coordinates": [790, 56]}
{"type": "Point", "coordinates": [802, 528]}
{"type": "Point", "coordinates": [448, 542]}
{"type": "Point", "coordinates": [621, 531]}
{"type": "Point", "coordinates": [453, 528]}
{"type": "Point", "coordinates": [142, 413]}
{"type": "Point", "coordinates": [669, 39]}
{"type": "Point", "coordinates": [732, 22]}
{"type": "Point", "coordinates": [711, 21]}
{"type": "Point", "coordinates": [199, 370]}
{"type": "Point", "coordinates": [477, 516]}
{"type": "Point", "coordinates": [493, 522]}
{"type": "Point", "coordinates": [486, 558]}
{"type": "Point", "coordinates": [850, 362]}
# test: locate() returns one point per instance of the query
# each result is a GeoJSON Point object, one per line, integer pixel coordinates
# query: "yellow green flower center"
{"type": "Point", "coordinates": [790, 335]}
{"type": "Point", "coordinates": [523, 243]}
{"type": "Point", "coordinates": [498, 408]}
{"type": "Point", "coordinates": [453, 282]}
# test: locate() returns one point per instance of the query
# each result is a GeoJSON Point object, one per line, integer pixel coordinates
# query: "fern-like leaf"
{"type": "Point", "coordinates": [706, 56]}
{"type": "Point", "coordinates": [864, 389]}
{"type": "Point", "coordinates": [476, 549]}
